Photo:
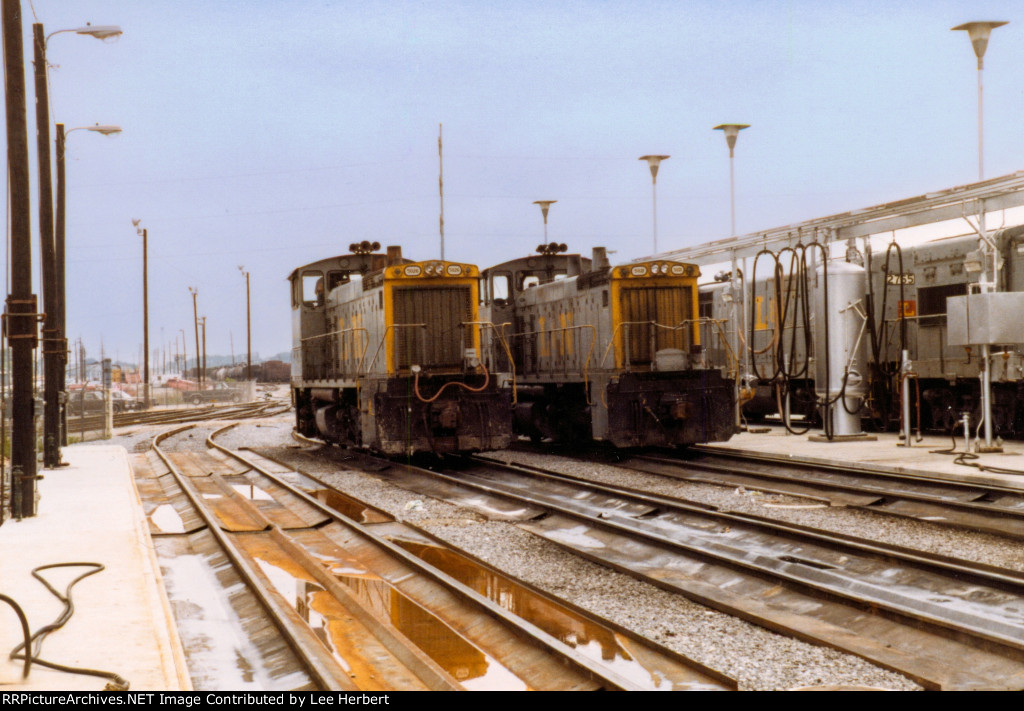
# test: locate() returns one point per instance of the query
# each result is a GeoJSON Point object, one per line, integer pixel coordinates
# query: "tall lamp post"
{"type": "Point", "coordinates": [195, 317]}
{"type": "Point", "coordinates": [54, 348]}
{"type": "Point", "coordinates": [59, 244]}
{"type": "Point", "coordinates": [979, 33]}
{"type": "Point", "coordinates": [184, 353]}
{"type": "Point", "coordinates": [653, 162]}
{"type": "Point", "coordinates": [544, 206]}
{"type": "Point", "coordinates": [202, 323]}
{"type": "Point", "coordinates": [142, 232]}
{"type": "Point", "coordinates": [248, 327]}
{"type": "Point", "coordinates": [732, 130]}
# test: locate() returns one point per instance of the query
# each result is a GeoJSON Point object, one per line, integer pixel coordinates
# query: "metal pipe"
{"type": "Point", "coordinates": [986, 391]}
{"type": "Point", "coordinates": [905, 394]}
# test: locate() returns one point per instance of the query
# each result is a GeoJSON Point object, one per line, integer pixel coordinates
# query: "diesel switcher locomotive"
{"type": "Point", "coordinates": [606, 353]}
{"type": "Point", "coordinates": [387, 355]}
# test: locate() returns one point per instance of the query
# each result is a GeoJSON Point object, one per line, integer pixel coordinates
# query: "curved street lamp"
{"type": "Point", "coordinates": [59, 248]}
{"type": "Point", "coordinates": [54, 434]}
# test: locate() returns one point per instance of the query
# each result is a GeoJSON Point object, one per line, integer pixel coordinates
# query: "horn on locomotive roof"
{"type": "Point", "coordinates": [364, 247]}
{"type": "Point", "coordinates": [553, 248]}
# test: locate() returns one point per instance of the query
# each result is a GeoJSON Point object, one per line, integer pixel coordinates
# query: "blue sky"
{"type": "Point", "coordinates": [273, 134]}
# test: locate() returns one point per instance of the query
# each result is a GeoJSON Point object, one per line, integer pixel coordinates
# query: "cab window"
{"type": "Point", "coordinates": [313, 288]}
{"type": "Point", "coordinates": [501, 285]}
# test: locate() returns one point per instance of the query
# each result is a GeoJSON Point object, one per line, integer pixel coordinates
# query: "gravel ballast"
{"type": "Point", "coordinates": [757, 658]}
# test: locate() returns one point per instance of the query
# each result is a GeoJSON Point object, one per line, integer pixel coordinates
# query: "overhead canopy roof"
{"type": "Point", "coordinates": [966, 200]}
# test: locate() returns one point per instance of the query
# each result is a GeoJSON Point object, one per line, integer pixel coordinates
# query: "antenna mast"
{"type": "Point", "coordinates": [440, 182]}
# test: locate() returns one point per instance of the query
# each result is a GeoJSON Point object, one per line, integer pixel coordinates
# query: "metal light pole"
{"type": "Point", "coordinates": [544, 205]}
{"type": "Point", "coordinates": [59, 245]}
{"type": "Point", "coordinates": [145, 312]}
{"type": "Point", "coordinates": [195, 316]}
{"type": "Point", "coordinates": [248, 326]}
{"type": "Point", "coordinates": [979, 33]}
{"type": "Point", "coordinates": [732, 130]}
{"type": "Point", "coordinates": [202, 322]}
{"type": "Point", "coordinates": [184, 352]}
{"type": "Point", "coordinates": [54, 347]}
{"type": "Point", "coordinates": [654, 162]}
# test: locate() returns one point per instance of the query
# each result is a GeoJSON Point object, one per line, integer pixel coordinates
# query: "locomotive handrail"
{"type": "Point", "coordinates": [500, 333]}
{"type": "Point", "coordinates": [590, 351]}
{"type": "Point", "coordinates": [364, 331]}
{"type": "Point", "coordinates": [717, 323]}
{"type": "Point", "coordinates": [384, 338]}
{"type": "Point", "coordinates": [625, 347]}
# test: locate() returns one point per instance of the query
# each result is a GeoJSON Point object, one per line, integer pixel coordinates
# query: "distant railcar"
{"type": "Point", "coordinates": [607, 353]}
{"type": "Point", "coordinates": [387, 355]}
{"type": "Point", "coordinates": [904, 299]}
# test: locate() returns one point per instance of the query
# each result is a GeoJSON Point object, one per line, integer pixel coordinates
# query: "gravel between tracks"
{"type": "Point", "coordinates": [757, 658]}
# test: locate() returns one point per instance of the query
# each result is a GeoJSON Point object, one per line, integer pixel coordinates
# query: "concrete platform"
{"type": "Point", "coordinates": [886, 452]}
{"type": "Point", "coordinates": [89, 512]}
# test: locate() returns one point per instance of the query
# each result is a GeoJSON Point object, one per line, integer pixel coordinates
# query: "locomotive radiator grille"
{"type": "Point", "coordinates": [666, 306]}
{"type": "Point", "coordinates": [440, 343]}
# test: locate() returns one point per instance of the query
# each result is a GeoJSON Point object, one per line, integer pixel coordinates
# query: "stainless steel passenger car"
{"type": "Point", "coordinates": [609, 353]}
{"type": "Point", "coordinates": [387, 354]}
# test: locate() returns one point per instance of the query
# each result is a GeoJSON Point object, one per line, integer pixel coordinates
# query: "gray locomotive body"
{"type": "Point", "coordinates": [386, 355]}
{"type": "Point", "coordinates": [606, 353]}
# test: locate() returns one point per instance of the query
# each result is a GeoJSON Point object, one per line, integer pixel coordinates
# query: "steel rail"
{"type": "Point", "coordinates": [958, 570]}
{"type": "Point", "coordinates": [806, 575]}
{"type": "Point", "coordinates": [322, 670]}
{"type": "Point", "coordinates": [982, 512]}
{"type": "Point", "coordinates": [726, 681]}
{"type": "Point", "coordinates": [578, 661]}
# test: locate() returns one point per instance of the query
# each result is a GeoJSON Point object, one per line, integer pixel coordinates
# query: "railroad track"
{"type": "Point", "coordinates": [976, 505]}
{"type": "Point", "coordinates": [191, 414]}
{"type": "Point", "coordinates": [358, 610]}
{"type": "Point", "coordinates": [945, 623]}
